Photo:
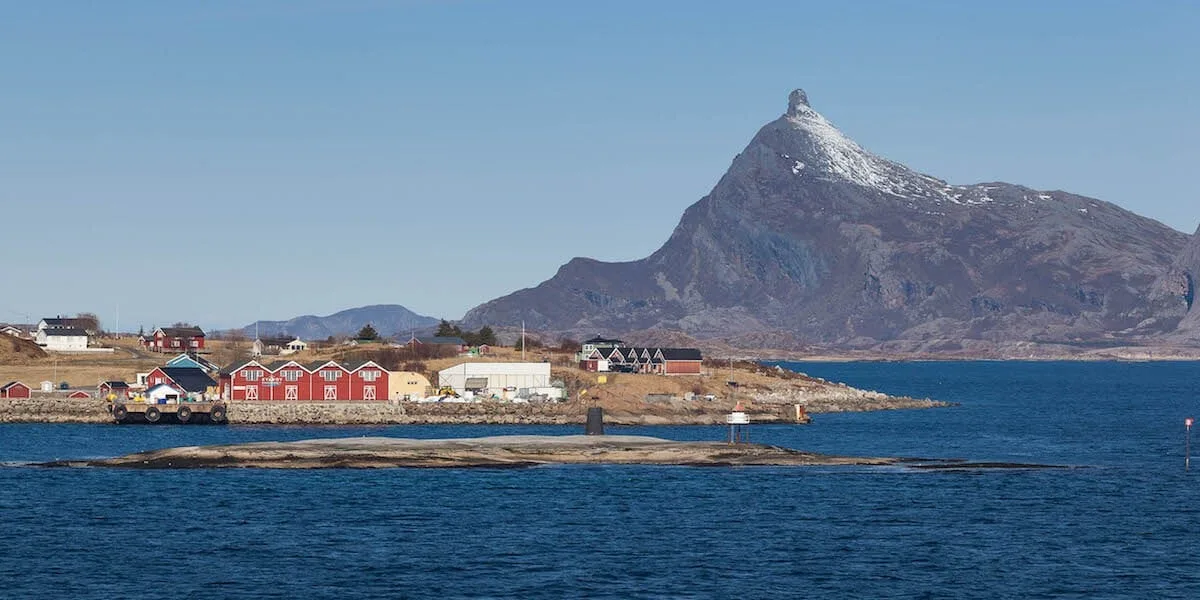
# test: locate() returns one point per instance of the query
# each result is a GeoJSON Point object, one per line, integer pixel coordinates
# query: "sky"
{"type": "Point", "coordinates": [224, 161]}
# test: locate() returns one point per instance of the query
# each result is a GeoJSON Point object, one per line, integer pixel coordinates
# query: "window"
{"type": "Point", "coordinates": [292, 375]}
{"type": "Point", "coordinates": [331, 375]}
{"type": "Point", "coordinates": [158, 380]}
{"type": "Point", "coordinates": [251, 375]}
{"type": "Point", "coordinates": [369, 375]}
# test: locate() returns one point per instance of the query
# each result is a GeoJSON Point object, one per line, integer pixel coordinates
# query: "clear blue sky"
{"type": "Point", "coordinates": [218, 162]}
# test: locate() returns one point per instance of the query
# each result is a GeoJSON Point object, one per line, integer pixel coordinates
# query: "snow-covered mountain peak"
{"type": "Point", "coordinates": [836, 156]}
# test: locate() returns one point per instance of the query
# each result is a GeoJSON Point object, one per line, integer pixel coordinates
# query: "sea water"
{"type": "Point", "coordinates": [1123, 522]}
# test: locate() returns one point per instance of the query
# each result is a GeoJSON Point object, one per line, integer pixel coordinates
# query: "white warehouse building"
{"type": "Point", "coordinates": [501, 380]}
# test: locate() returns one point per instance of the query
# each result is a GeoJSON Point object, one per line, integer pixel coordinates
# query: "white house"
{"type": "Point", "coordinates": [281, 346]}
{"type": "Point", "coordinates": [12, 330]}
{"type": "Point", "coordinates": [63, 339]}
{"type": "Point", "coordinates": [87, 325]}
{"type": "Point", "coordinates": [164, 393]}
{"type": "Point", "coordinates": [502, 380]}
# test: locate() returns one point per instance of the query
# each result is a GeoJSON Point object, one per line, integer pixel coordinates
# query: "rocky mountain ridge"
{"type": "Point", "coordinates": [811, 237]}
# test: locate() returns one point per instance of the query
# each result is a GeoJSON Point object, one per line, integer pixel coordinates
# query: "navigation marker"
{"type": "Point", "coordinates": [1187, 444]}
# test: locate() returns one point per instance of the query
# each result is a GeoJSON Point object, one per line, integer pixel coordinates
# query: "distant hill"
{"type": "Point", "coordinates": [387, 319]}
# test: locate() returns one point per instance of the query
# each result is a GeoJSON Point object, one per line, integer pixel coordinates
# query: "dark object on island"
{"type": "Point", "coordinates": [595, 421]}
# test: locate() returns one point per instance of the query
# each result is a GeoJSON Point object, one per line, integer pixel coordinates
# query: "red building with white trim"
{"type": "Point", "coordinates": [116, 388]}
{"type": "Point", "coordinates": [290, 381]}
{"type": "Point", "coordinates": [15, 389]}
{"type": "Point", "coordinates": [175, 339]}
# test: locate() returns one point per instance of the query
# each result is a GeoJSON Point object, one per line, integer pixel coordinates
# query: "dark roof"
{"type": "Point", "coordinates": [443, 340]}
{"type": "Point", "coordinates": [601, 340]}
{"type": "Point", "coordinates": [11, 384]}
{"type": "Point", "coordinates": [276, 340]}
{"type": "Point", "coordinates": [65, 332]}
{"type": "Point", "coordinates": [115, 385]}
{"type": "Point", "coordinates": [190, 379]}
{"type": "Point", "coordinates": [681, 354]}
{"type": "Point", "coordinates": [276, 365]}
{"type": "Point", "coordinates": [235, 366]}
{"type": "Point", "coordinates": [182, 331]}
{"type": "Point", "coordinates": [60, 322]}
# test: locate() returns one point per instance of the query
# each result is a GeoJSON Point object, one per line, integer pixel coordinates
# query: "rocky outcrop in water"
{"type": "Point", "coordinates": [492, 452]}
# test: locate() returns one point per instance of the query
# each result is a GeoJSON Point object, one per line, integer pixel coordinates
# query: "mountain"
{"type": "Point", "coordinates": [811, 237]}
{"type": "Point", "coordinates": [387, 319]}
{"type": "Point", "coordinates": [1183, 281]}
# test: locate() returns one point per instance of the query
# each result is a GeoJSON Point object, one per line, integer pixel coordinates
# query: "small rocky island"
{"type": "Point", "coordinates": [495, 452]}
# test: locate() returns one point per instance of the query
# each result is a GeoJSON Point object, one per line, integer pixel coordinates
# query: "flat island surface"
{"type": "Point", "coordinates": [495, 452]}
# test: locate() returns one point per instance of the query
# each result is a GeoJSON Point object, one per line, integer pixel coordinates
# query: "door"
{"type": "Point", "coordinates": [290, 393]}
{"type": "Point", "coordinates": [331, 392]}
{"type": "Point", "coordinates": [252, 392]}
{"type": "Point", "coordinates": [368, 392]}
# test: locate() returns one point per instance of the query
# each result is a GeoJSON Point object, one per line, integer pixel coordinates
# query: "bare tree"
{"type": "Point", "coordinates": [90, 321]}
{"type": "Point", "coordinates": [235, 349]}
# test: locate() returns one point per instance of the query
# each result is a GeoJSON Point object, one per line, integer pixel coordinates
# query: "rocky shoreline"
{"type": "Point", "coordinates": [763, 407]}
{"type": "Point", "coordinates": [487, 452]}
{"type": "Point", "coordinates": [504, 452]}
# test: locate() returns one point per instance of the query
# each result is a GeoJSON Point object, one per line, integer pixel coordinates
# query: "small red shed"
{"type": "Point", "coordinates": [15, 389]}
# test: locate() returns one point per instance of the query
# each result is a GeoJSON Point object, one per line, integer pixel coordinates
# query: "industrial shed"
{"type": "Point", "coordinates": [502, 380]}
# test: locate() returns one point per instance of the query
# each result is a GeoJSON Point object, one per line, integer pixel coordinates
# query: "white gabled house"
{"type": "Point", "coordinates": [63, 339]}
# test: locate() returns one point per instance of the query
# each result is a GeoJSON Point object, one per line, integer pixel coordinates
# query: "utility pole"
{"type": "Point", "coordinates": [522, 341]}
{"type": "Point", "coordinates": [732, 382]}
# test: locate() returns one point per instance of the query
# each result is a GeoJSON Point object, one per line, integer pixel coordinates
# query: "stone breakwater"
{"type": "Point", "coordinates": [834, 398]}
{"type": "Point", "coordinates": [567, 413]}
{"type": "Point", "coordinates": [763, 407]}
{"type": "Point", "coordinates": [53, 410]}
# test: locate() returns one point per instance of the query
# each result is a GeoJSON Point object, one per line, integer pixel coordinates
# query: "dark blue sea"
{"type": "Point", "coordinates": [1125, 523]}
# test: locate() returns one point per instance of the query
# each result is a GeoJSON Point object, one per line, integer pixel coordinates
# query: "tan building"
{"type": "Point", "coordinates": [408, 385]}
